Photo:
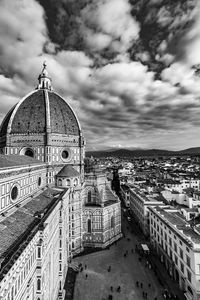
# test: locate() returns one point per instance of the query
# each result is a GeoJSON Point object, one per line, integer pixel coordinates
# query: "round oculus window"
{"type": "Point", "coordinates": [65, 154]}
{"type": "Point", "coordinates": [14, 193]}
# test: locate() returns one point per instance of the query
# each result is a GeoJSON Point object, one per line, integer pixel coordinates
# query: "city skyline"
{"type": "Point", "coordinates": [128, 69]}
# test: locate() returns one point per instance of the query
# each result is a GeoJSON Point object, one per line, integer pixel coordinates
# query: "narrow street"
{"type": "Point", "coordinates": [95, 282]}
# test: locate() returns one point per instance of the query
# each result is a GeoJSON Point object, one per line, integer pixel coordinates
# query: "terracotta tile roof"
{"type": "Point", "coordinates": [4, 125]}
{"type": "Point", "coordinates": [62, 117]}
{"type": "Point", "coordinates": [31, 115]}
{"type": "Point", "coordinates": [109, 197]}
{"type": "Point", "coordinates": [68, 171]}
{"type": "Point", "coordinates": [13, 226]}
{"type": "Point", "coordinates": [17, 160]}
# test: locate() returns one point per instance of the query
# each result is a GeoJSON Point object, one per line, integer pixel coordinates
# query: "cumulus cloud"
{"type": "Point", "coordinates": [109, 24]}
{"type": "Point", "coordinates": [23, 32]}
{"type": "Point", "coordinates": [121, 100]}
{"type": "Point", "coordinates": [191, 40]}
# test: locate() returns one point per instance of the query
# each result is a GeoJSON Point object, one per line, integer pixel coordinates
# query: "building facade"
{"type": "Point", "coordinates": [45, 204]}
{"type": "Point", "coordinates": [101, 212]}
{"type": "Point", "coordinates": [125, 193]}
{"type": "Point", "coordinates": [177, 242]}
{"type": "Point", "coordinates": [139, 205]}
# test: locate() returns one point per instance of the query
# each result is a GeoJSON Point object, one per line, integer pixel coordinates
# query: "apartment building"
{"type": "Point", "coordinates": [177, 242]}
{"type": "Point", "coordinates": [139, 205]}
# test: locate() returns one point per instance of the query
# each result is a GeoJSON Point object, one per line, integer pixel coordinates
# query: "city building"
{"type": "Point", "coordinates": [46, 216]}
{"type": "Point", "coordinates": [125, 192]}
{"type": "Point", "coordinates": [176, 240]}
{"type": "Point", "coordinates": [101, 211]}
{"type": "Point", "coordinates": [139, 205]}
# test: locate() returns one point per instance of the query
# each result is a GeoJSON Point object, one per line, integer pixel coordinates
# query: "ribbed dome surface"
{"type": "Point", "coordinates": [32, 113]}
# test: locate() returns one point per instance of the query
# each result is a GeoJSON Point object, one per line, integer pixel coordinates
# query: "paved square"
{"type": "Point", "coordinates": [125, 271]}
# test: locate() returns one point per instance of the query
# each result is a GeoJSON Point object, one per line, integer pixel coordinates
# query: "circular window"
{"type": "Point", "coordinates": [14, 193]}
{"type": "Point", "coordinates": [39, 181]}
{"type": "Point", "coordinates": [65, 154]}
{"type": "Point", "coordinates": [29, 152]}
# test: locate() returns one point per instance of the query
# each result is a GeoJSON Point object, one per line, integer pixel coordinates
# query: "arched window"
{"type": "Point", "coordinates": [89, 226]}
{"type": "Point", "coordinates": [89, 197]}
{"type": "Point", "coordinates": [29, 152]}
{"type": "Point", "coordinates": [39, 284]}
{"type": "Point", "coordinates": [75, 182]}
{"type": "Point", "coordinates": [12, 293]}
{"type": "Point", "coordinates": [59, 182]}
{"type": "Point", "coordinates": [68, 182]}
{"type": "Point", "coordinates": [112, 222]}
{"type": "Point", "coordinates": [39, 252]}
{"type": "Point", "coordinates": [39, 181]}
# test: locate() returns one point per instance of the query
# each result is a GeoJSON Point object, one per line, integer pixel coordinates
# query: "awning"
{"type": "Point", "coordinates": [145, 247]}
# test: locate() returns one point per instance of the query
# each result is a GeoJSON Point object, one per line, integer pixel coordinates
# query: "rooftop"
{"type": "Point", "coordinates": [109, 197]}
{"type": "Point", "coordinates": [177, 220]}
{"type": "Point", "coordinates": [125, 187]}
{"type": "Point", "coordinates": [68, 171]}
{"type": "Point", "coordinates": [7, 161]}
{"type": "Point", "coordinates": [12, 227]}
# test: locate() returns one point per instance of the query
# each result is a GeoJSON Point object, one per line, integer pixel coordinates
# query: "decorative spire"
{"type": "Point", "coordinates": [44, 79]}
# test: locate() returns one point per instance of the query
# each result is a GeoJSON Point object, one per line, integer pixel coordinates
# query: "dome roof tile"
{"type": "Point", "coordinates": [30, 115]}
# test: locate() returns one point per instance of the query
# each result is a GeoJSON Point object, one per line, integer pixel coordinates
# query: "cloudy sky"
{"type": "Point", "coordinates": [129, 68]}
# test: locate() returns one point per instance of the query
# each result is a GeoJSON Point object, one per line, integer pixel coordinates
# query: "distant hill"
{"type": "Point", "coordinates": [195, 150]}
{"type": "Point", "coordinates": [141, 152]}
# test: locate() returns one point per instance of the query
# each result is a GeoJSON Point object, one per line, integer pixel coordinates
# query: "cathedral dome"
{"type": "Point", "coordinates": [41, 111]}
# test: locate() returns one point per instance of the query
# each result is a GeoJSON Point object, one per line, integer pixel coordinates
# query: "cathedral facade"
{"type": "Point", "coordinates": [50, 209]}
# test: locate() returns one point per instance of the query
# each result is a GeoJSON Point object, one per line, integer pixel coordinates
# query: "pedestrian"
{"type": "Point", "coordinates": [119, 289]}
{"type": "Point", "coordinates": [137, 283]}
{"type": "Point", "coordinates": [110, 297]}
{"type": "Point", "coordinates": [86, 276]}
{"type": "Point", "coordinates": [149, 285]}
{"type": "Point", "coordinates": [85, 266]}
{"type": "Point", "coordinates": [141, 285]}
{"type": "Point", "coordinates": [111, 288]}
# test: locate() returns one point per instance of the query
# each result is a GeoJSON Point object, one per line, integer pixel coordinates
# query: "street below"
{"type": "Point", "coordinates": [118, 271]}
